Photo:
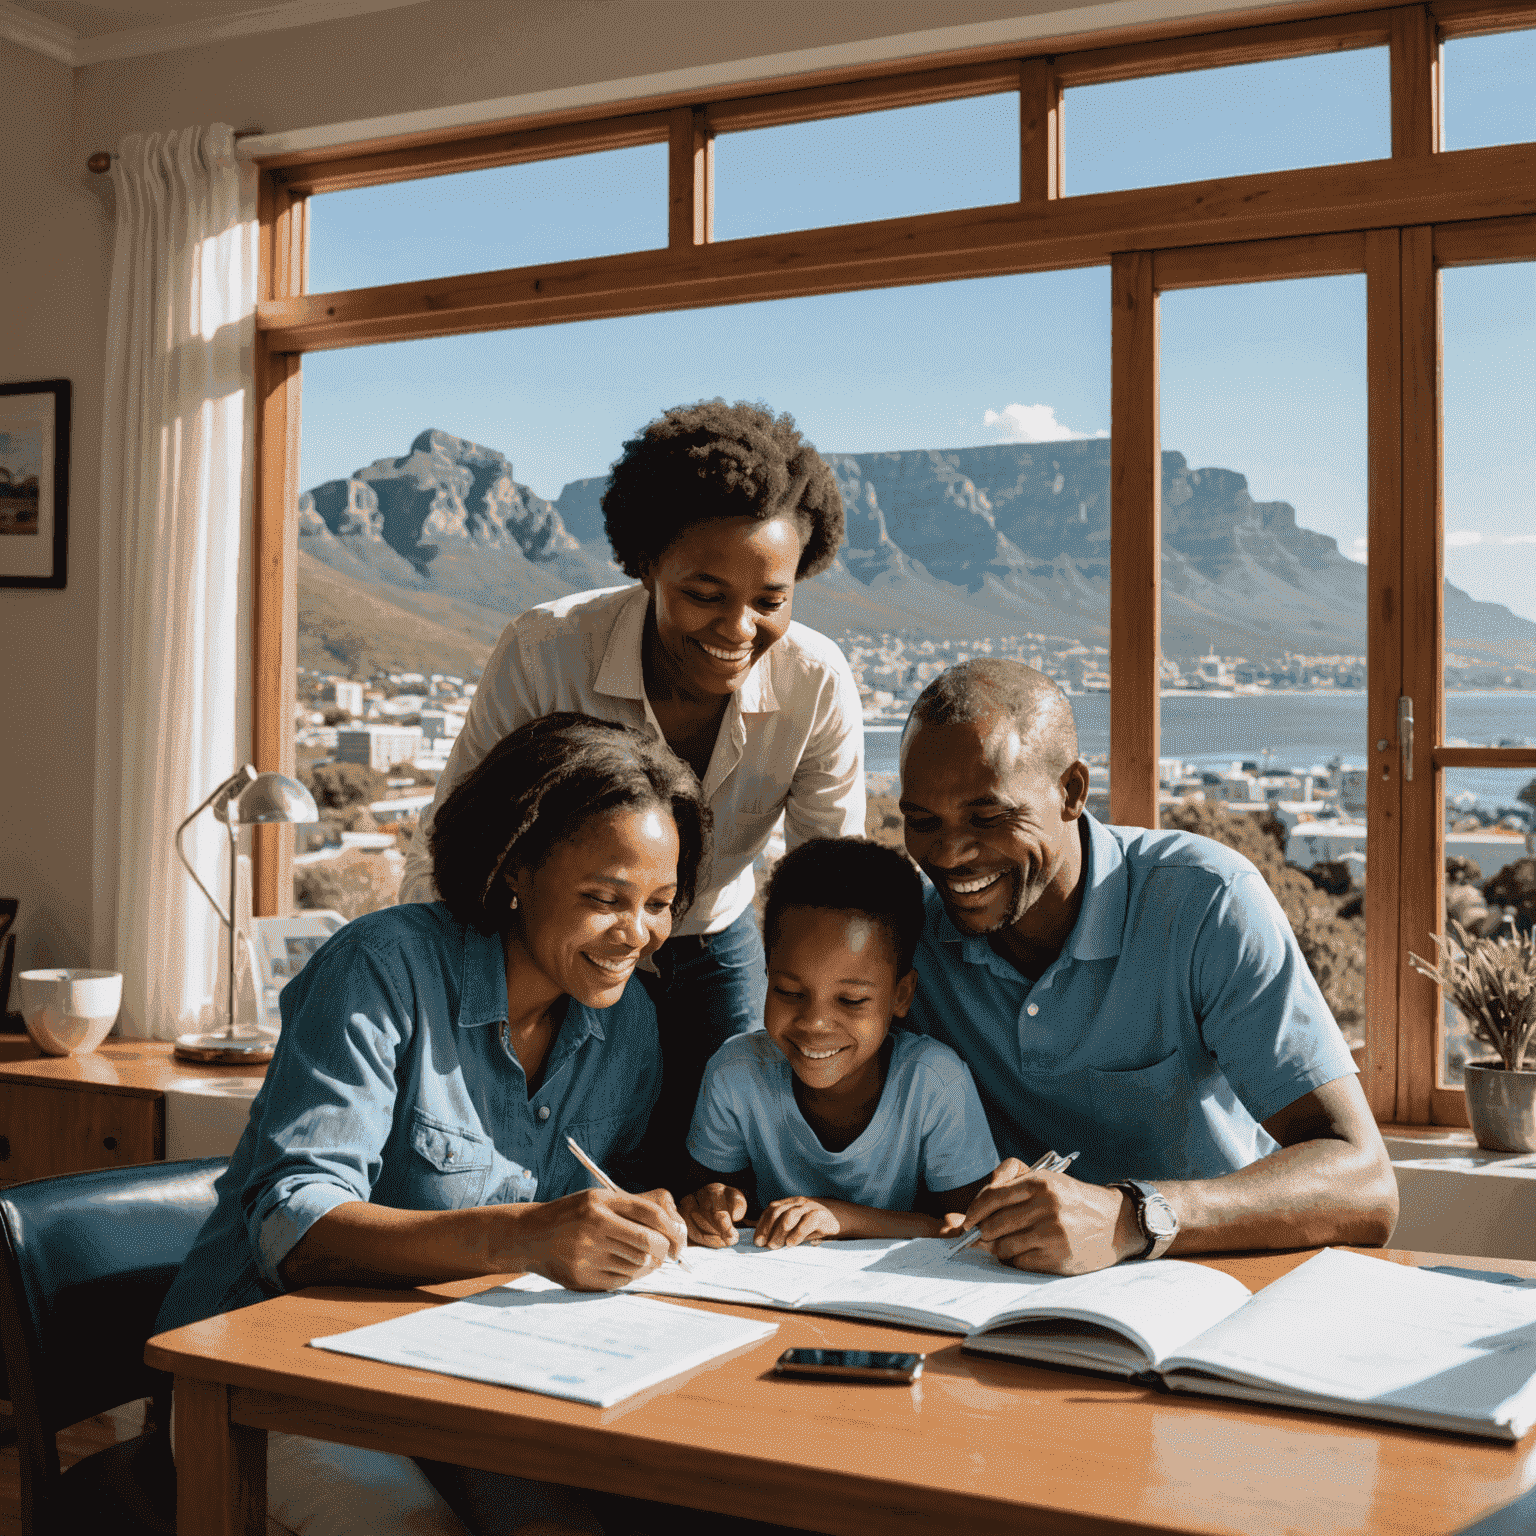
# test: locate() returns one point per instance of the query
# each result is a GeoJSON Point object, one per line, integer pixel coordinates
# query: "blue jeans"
{"type": "Point", "coordinates": [708, 987]}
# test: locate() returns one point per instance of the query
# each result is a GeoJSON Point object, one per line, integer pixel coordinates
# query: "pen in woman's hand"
{"type": "Point", "coordinates": [608, 1184]}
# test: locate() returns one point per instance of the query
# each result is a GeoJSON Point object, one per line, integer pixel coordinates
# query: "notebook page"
{"type": "Point", "coordinates": [1161, 1305]}
{"type": "Point", "coordinates": [594, 1348]}
{"type": "Point", "coordinates": [1363, 1330]}
{"type": "Point", "coordinates": [782, 1277]}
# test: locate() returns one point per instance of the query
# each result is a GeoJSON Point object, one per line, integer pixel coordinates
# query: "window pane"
{"type": "Point", "coordinates": [879, 165]}
{"type": "Point", "coordinates": [455, 482]}
{"type": "Point", "coordinates": [1490, 875]}
{"type": "Point", "coordinates": [1237, 121]}
{"type": "Point", "coordinates": [1264, 599]}
{"type": "Point", "coordinates": [481, 221]}
{"type": "Point", "coordinates": [1490, 90]}
{"type": "Point", "coordinates": [1489, 458]}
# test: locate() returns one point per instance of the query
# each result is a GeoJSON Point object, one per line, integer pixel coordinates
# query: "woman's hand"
{"type": "Point", "coordinates": [799, 1219]}
{"type": "Point", "coordinates": [712, 1213]}
{"type": "Point", "coordinates": [595, 1240]}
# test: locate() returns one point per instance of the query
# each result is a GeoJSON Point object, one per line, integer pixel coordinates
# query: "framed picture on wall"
{"type": "Point", "coordinates": [34, 483]}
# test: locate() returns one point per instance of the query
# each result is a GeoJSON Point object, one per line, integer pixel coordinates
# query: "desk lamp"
{"type": "Point", "coordinates": [244, 799]}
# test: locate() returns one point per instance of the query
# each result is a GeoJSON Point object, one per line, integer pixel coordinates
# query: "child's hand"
{"type": "Point", "coordinates": [799, 1219]}
{"type": "Point", "coordinates": [712, 1213]}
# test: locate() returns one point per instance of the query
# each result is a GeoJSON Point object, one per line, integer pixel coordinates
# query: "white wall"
{"type": "Point", "coordinates": [53, 264]}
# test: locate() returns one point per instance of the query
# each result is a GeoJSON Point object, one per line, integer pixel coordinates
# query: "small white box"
{"type": "Point", "coordinates": [207, 1116]}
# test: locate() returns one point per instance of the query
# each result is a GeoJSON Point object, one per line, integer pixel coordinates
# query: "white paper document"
{"type": "Point", "coordinates": [907, 1281]}
{"type": "Point", "coordinates": [591, 1347]}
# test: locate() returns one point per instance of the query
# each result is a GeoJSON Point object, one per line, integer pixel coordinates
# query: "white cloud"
{"type": "Point", "coordinates": [1359, 549]}
{"type": "Point", "coordinates": [1032, 424]}
{"type": "Point", "coordinates": [1468, 538]}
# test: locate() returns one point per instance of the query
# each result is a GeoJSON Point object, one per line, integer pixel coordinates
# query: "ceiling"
{"type": "Point", "coordinates": [78, 32]}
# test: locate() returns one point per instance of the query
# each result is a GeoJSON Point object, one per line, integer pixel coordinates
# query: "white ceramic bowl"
{"type": "Point", "coordinates": [70, 1012]}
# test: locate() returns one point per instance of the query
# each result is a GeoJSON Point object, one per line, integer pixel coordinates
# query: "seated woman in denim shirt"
{"type": "Point", "coordinates": [434, 1058]}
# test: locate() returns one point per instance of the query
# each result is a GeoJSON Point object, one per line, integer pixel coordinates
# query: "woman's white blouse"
{"type": "Point", "coordinates": [792, 739]}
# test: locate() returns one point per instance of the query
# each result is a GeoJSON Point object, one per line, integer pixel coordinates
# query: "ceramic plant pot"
{"type": "Point", "coordinates": [1502, 1107]}
{"type": "Point", "coordinates": [70, 1012]}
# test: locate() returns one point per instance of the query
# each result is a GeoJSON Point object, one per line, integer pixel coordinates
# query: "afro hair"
{"type": "Point", "coordinates": [711, 460]}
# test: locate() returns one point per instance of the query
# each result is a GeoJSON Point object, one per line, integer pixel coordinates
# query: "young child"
{"type": "Point", "coordinates": [830, 1123]}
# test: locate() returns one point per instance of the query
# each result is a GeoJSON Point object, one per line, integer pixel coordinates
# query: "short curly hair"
{"type": "Point", "coordinates": [712, 460]}
{"type": "Point", "coordinates": [540, 786]}
{"type": "Point", "coordinates": [850, 874]}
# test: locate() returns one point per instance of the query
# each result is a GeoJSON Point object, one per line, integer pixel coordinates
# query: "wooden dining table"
{"type": "Point", "coordinates": [976, 1446]}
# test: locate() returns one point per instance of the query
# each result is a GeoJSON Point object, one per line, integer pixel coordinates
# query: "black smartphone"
{"type": "Point", "coordinates": [849, 1365]}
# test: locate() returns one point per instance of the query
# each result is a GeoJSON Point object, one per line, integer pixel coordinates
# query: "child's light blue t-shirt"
{"type": "Point", "coordinates": [929, 1128]}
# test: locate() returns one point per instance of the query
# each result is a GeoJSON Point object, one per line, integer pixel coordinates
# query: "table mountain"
{"type": "Point", "coordinates": [1001, 539]}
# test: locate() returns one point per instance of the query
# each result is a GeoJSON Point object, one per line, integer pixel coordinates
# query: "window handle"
{"type": "Point", "coordinates": [1405, 735]}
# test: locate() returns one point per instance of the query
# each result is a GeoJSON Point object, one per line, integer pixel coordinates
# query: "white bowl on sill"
{"type": "Point", "coordinates": [70, 1012]}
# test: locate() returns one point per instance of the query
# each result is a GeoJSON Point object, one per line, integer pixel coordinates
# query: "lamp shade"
{"type": "Point", "coordinates": [272, 797]}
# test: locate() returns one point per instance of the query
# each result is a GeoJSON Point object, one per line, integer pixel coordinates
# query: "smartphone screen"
{"type": "Point", "coordinates": [850, 1365]}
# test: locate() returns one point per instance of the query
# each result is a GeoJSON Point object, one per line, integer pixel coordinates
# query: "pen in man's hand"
{"type": "Point", "coordinates": [608, 1184]}
{"type": "Point", "coordinates": [1048, 1162]}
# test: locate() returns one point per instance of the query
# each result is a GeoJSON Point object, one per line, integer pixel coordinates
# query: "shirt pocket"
{"type": "Point", "coordinates": [449, 1163]}
{"type": "Point", "coordinates": [1141, 1117]}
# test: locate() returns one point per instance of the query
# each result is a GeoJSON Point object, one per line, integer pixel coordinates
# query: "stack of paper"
{"type": "Point", "coordinates": [592, 1347]}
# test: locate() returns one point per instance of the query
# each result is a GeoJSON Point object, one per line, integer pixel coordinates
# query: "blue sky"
{"type": "Point", "coordinates": [1267, 379]}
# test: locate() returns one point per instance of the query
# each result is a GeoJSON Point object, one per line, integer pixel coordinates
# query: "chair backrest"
{"type": "Point", "coordinates": [85, 1261]}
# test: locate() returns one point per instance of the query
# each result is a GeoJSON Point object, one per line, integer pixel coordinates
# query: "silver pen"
{"type": "Point", "coordinates": [1049, 1162]}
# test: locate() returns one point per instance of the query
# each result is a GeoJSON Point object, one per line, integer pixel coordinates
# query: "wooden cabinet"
{"type": "Point", "coordinates": [44, 1131]}
{"type": "Point", "coordinates": [106, 1109]}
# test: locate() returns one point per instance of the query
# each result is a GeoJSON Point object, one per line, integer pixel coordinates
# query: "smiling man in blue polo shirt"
{"type": "Point", "coordinates": [1134, 996]}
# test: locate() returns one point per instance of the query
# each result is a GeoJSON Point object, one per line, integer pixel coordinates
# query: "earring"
{"type": "Point", "coordinates": [514, 901]}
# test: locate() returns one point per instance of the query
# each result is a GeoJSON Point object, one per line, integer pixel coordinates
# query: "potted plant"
{"type": "Point", "coordinates": [1492, 980]}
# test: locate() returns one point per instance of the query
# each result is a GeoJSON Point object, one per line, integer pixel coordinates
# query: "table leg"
{"type": "Point", "coordinates": [221, 1467]}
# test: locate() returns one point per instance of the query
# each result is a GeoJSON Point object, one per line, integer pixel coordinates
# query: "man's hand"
{"type": "Point", "coordinates": [1050, 1222]}
{"type": "Point", "coordinates": [711, 1214]}
{"type": "Point", "coordinates": [594, 1240]}
{"type": "Point", "coordinates": [799, 1219]}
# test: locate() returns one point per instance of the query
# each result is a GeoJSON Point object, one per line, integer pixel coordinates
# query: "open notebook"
{"type": "Point", "coordinates": [1341, 1333]}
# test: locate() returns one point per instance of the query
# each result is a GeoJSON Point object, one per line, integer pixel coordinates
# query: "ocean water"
{"type": "Point", "coordinates": [1297, 730]}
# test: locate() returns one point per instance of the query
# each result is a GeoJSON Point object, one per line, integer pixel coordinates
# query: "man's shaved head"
{"type": "Point", "coordinates": [1001, 689]}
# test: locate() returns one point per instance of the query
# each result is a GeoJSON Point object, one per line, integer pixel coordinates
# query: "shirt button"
{"type": "Point", "coordinates": [1033, 1009]}
{"type": "Point", "coordinates": [543, 1111]}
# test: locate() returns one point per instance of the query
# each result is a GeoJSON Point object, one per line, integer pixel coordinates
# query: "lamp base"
{"type": "Point", "coordinates": [226, 1050]}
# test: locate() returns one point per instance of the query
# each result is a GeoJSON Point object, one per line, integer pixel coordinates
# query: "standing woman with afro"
{"type": "Point", "coordinates": [716, 511]}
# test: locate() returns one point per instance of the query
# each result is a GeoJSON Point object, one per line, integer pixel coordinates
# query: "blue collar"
{"type": "Point", "coordinates": [483, 990]}
{"type": "Point", "coordinates": [1097, 933]}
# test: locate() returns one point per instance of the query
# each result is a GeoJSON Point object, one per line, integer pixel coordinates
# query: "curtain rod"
{"type": "Point", "coordinates": [101, 162]}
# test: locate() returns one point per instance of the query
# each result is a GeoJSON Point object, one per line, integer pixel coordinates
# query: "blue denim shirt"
{"type": "Point", "coordinates": [1178, 1017]}
{"type": "Point", "coordinates": [392, 1083]}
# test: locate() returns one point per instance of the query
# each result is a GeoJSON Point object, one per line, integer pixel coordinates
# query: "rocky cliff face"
{"type": "Point", "coordinates": [449, 516]}
{"type": "Point", "coordinates": [1002, 539]}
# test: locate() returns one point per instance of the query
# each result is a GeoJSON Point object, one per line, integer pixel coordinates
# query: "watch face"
{"type": "Point", "coordinates": [1157, 1218]}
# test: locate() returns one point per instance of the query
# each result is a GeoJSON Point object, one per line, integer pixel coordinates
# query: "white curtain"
{"type": "Point", "coordinates": [175, 496]}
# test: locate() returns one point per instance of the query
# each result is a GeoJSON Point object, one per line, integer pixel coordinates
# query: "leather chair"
{"type": "Point", "coordinates": [85, 1262]}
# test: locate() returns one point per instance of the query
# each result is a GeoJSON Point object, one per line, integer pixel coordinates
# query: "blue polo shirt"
{"type": "Point", "coordinates": [1179, 1015]}
{"type": "Point", "coordinates": [928, 1130]}
{"type": "Point", "coordinates": [393, 1083]}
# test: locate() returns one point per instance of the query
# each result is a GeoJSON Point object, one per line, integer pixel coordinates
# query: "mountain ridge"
{"type": "Point", "coordinates": [948, 543]}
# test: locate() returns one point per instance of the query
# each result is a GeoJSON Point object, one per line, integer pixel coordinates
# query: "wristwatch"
{"type": "Point", "coordinates": [1156, 1218]}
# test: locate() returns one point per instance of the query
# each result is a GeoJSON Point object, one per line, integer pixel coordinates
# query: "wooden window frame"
{"type": "Point", "coordinates": [1395, 219]}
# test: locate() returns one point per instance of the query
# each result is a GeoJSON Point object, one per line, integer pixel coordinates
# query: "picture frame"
{"type": "Point", "coordinates": [279, 950]}
{"type": "Point", "coordinates": [34, 483]}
